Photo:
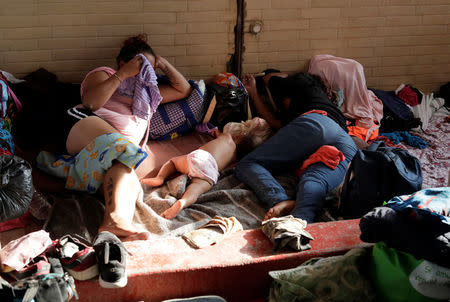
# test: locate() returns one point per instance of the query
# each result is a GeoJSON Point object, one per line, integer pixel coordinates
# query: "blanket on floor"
{"type": "Point", "coordinates": [228, 197]}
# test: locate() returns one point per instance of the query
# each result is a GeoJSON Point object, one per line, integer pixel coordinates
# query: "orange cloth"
{"type": "Point", "coordinates": [329, 155]}
{"type": "Point", "coordinates": [363, 133]}
{"type": "Point", "coordinates": [315, 111]}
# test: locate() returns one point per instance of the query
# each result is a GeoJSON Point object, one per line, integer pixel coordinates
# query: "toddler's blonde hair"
{"type": "Point", "coordinates": [256, 135]}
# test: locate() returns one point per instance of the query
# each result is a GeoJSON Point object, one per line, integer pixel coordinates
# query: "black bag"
{"type": "Point", "coordinates": [375, 175]}
{"type": "Point", "coordinates": [232, 105]}
{"type": "Point", "coordinates": [16, 186]}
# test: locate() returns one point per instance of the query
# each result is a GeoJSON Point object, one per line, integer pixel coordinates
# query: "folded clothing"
{"type": "Point", "coordinates": [287, 231]}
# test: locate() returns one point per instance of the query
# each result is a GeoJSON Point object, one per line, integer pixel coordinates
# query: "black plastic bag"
{"type": "Point", "coordinates": [232, 105]}
{"type": "Point", "coordinates": [16, 187]}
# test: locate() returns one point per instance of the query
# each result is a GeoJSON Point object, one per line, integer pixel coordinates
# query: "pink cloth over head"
{"type": "Point", "coordinates": [347, 74]}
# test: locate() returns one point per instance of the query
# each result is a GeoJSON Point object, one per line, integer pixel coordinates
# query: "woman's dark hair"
{"type": "Point", "coordinates": [244, 147]}
{"type": "Point", "coordinates": [302, 88]}
{"type": "Point", "coordinates": [133, 46]}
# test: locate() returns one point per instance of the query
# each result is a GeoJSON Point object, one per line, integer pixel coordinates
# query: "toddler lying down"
{"type": "Point", "coordinates": [204, 164]}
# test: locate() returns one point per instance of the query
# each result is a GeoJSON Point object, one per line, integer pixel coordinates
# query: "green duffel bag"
{"type": "Point", "coordinates": [399, 276]}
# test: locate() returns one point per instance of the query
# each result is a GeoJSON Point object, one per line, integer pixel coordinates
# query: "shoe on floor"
{"type": "Point", "coordinates": [112, 260]}
{"type": "Point", "coordinates": [210, 298]}
{"type": "Point", "coordinates": [77, 258]}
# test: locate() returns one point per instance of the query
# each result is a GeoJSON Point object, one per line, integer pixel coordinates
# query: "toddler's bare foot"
{"type": "Point", "coordinates": [173, 211]}
{"type": "Point", "coordinates": [280, 209]}
{"type": "Point", "coordinates": [153, 182]}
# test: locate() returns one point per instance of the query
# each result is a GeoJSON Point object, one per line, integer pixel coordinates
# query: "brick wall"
{"type": "Point", "coordinates": [71, 37]}
{"type": "Point", "coordinates": [395, 40]}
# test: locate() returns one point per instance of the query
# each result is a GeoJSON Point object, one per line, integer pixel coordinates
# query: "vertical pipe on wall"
{"type": "Point", "coordinates": [238, 39]}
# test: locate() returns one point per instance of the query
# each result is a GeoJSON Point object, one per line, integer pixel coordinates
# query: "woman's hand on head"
{"type": "Point", "coordinates": [130, 68]}
{"type": "Point", "coordinates": [160, 62]}
{"type": "Point", "coordinates": [250, 84]}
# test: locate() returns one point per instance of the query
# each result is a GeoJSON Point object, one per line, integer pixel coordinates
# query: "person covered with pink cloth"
{"type": "Point", "coordinates": [360, 104]}
{"type": "Point", "coordinates": [203, 165]}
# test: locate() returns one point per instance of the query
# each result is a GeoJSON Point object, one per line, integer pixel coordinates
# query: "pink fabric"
{"type": "Point", "coordinates": [328, 155]}
{"type": "Point", "coordinates": [18, 253]}
{"type": "Point", "coordinates": [117, 111]}
{"type": "Point", "coordinates": [347, 74]}
{"type": "Point", "coordinates": [201, 164]}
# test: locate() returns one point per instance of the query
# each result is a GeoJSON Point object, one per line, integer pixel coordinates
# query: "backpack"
{"type": "Point", "coordinates": [174, 119]}
{"type": "Point", "coordinates": [375, 175]}
{"type": "Point", "coordinates": [232, 100]}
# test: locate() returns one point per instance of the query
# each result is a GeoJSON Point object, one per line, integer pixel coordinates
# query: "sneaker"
{"type": "Point", "coordinates": [37, 267]}
{"type": "Point", "coordinates": [112, 260]}
{"type": "Point", "coordinates": [77, 258]}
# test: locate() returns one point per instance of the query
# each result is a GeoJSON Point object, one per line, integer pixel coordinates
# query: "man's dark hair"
{"type": "Point", "coordinates": [302, 88]}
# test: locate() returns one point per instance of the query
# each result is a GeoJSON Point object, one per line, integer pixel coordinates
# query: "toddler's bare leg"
{"type": "Point", "coordinates": [193, 191]}
{"type": "Point", "coordinates": [166, 170]}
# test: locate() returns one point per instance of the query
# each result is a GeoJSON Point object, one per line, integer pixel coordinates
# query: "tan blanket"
{"type": "Point", "coordinates": [83, 212]}
{"type": "Point", "coordinates": [227, 198]}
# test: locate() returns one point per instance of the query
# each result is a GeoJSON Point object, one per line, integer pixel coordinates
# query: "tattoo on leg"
{"type": "Point", "coordinates": [109, 189]}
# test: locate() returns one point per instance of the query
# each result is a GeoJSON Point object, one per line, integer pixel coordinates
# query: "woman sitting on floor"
{"type": "Point", "coordinates": [110, 106]}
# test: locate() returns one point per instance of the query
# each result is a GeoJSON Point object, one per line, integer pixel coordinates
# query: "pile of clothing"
{"type": "Point", "coordinates": [36, 267]}
{"type": "Point", "coordinates": [412, 246]}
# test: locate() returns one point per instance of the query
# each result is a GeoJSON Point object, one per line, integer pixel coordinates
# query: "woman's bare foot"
{"type": "Point", "coordinates": [153, 182]}
{"type": "Point", "coordinates": [119, 227]}
{"type": "Point", "coordinates": [280, 209]}
{"type": "Point", "coordinates": [173, 211]}
{"type": "Point", "coordinates": [139, 236]}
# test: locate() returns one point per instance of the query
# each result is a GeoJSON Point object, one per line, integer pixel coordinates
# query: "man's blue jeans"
{"type": "Point", "coordinates": [287, 150]}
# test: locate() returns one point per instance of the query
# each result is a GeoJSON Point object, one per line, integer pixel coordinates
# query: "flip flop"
{"type": "Point", "coordinates": [212, 232]}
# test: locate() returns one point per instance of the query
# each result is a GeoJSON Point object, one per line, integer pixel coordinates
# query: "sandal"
{"type": "Point", "coordinates": [212, 232]}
